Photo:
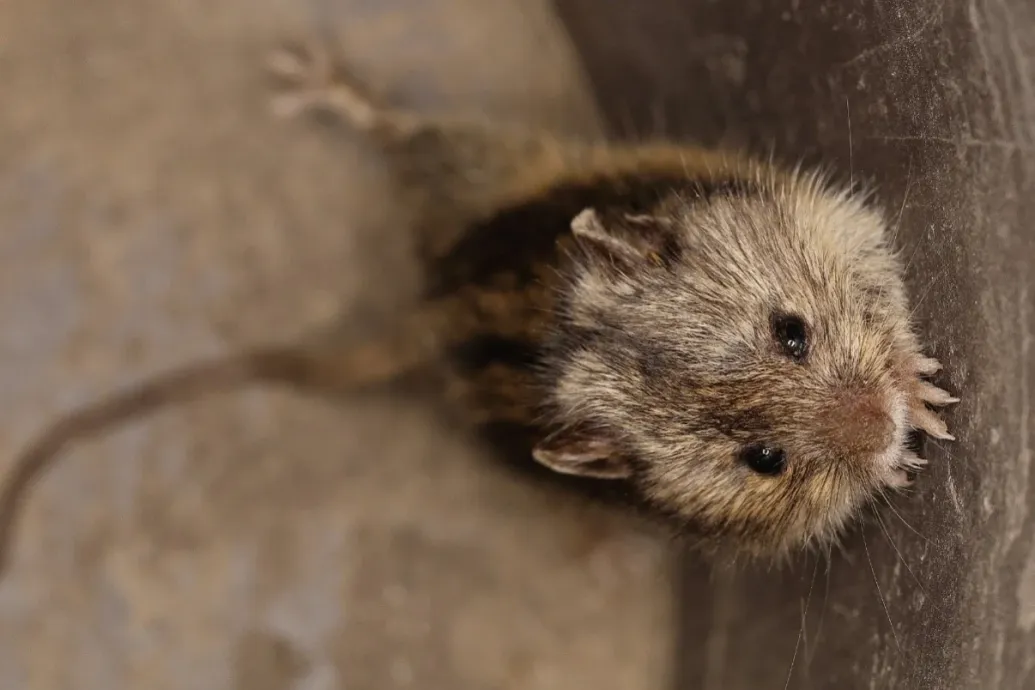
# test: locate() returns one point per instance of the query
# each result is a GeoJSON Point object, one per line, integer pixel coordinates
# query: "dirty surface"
{"type": "Point", "coordinates": [155, 213]}
{"type": "Point", "coordinates": [934, 102]}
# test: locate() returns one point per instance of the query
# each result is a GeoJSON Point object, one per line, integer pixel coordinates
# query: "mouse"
{"type": "Point", "coordinates": [728, 337]}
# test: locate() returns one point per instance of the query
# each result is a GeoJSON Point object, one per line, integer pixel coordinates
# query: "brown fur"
{"type": "Point", "coordinates": [616, 301]}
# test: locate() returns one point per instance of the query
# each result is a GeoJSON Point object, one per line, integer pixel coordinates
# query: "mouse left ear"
{"type": "Point", "coordinates": [580, 452]}
{"type": "Point", "coordinates": [633, 240]}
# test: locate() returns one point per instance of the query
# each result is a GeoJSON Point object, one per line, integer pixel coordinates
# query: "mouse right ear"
{"type": "Point", "coordinates": [634, 240]}
{"type": "Point", "coordinates": [578, 451]}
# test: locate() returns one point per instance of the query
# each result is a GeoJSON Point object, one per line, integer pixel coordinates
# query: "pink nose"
{"type": "Point", "coordinates": [859, 424]}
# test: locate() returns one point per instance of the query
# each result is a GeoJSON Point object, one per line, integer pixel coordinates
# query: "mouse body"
{"type": "Point", "coordinates": [728, 337]}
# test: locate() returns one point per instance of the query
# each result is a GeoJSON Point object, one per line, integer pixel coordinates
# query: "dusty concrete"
{"type": "Point", "coordinates": [935, 102]}
{"type": "Point", "coordinates": [153, 213]}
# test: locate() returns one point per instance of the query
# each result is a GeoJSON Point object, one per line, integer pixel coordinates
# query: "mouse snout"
{"type": "Point", "coordinates": [859, 424]}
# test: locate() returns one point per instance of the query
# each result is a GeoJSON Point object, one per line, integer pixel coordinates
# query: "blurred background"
{"type": "Point", "coordinates": [153, 212]}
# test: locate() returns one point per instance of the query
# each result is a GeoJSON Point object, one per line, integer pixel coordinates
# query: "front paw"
{"type": "Point", "coordinates": [924, 395]}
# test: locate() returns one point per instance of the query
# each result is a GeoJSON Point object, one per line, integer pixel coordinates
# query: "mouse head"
{"type": "Point", "coordinates": [745, 358]}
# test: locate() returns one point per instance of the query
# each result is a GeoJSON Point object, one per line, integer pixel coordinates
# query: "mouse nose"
{"type": "Point", "coordinates": [859, 424]}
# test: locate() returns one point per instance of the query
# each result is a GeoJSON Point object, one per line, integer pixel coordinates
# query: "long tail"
{"type": "Point", "coordinates": [325, 368]}
{"type": "Point", "coordinates": [273, 365]}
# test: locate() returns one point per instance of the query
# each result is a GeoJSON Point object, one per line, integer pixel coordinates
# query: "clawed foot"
{"type": "Point", "coordinates": [314, 82]}
{"type": "Point", "coordinates": [920, 417]}
{"type": "Point", "coordinates": [924, 394]}
{"type": "Point", "coordinates": [908, 465]}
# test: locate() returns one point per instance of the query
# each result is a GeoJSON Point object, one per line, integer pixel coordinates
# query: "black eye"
{"type": "Point", "coordinates": [791, 335]}
{"type": "Point", "coordinates": [764, 459]}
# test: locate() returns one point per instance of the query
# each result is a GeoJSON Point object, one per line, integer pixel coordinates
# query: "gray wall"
{"type": "Point", "coordinates": [941, 100]}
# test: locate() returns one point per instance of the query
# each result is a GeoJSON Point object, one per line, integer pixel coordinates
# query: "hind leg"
{"type": "Point", "coordinates": [315, 81]}
{"type": "Point", "coordinates": [431, 160]}
{"type": "Point", "coordinates": [451, 171]}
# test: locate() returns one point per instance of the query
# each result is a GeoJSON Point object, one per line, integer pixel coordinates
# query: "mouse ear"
{"type": "Point", "coordinates": [630, 239]}
{"type": "Point", "coordinates": [577, 451]}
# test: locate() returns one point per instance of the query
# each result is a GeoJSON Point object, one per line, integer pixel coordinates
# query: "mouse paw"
{"type": "Point", "coordinates": [313, 81]}
{"type": "Point", "coordinates": [924, 395]}
{"type": "Point", "coordinates": [904, 475]}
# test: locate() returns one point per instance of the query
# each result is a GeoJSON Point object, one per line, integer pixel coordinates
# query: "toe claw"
{"type": "Point", "coordinates": [925, 366]}
{"type": "Point", "coordinates": [286, 64]}
{"type": "Point", "coordinates": [903, 475]}
{"type": "Point", "coordinates": [287, 105]}
{"type": "Point", "coordinates": [900, 479]}
{"type": "Point", "coordinates": [911, 460]}
{"type": "Point", "coordinates": [934, 395]}
{"type": "Point", "coordinates": [922, 418]}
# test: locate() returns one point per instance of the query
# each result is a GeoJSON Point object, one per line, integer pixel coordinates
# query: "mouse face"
{"type": "Point", "coordinates": [746, 359]}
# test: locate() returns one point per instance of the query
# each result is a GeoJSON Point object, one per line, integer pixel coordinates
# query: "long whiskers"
{"type": "Point", "coordinates": [810, 654]}
{"type": "Point", "coordinates": [903, 520]}
{"type": "Point", "coordinates": [902, 206]}
{"type": "Point", "coordinates": [880, 594]}
{"type": "Point", "coordinates": [884, 528]}
{"type": "Point", "coordinates": [801, 629]}
{"type": "Point", "coordinates": [926, 292]}
{"type": "Point", "coordinates": [851, 160]}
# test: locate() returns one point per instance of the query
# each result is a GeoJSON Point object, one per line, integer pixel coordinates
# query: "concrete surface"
{"type": "Point", "coordinates": [935, 102]}
{"type": "Point", "coordinates": [153, 213]}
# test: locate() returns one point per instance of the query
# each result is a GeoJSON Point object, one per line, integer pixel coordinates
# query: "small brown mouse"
{"type": "Point", "coordinates": [730, 337]}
